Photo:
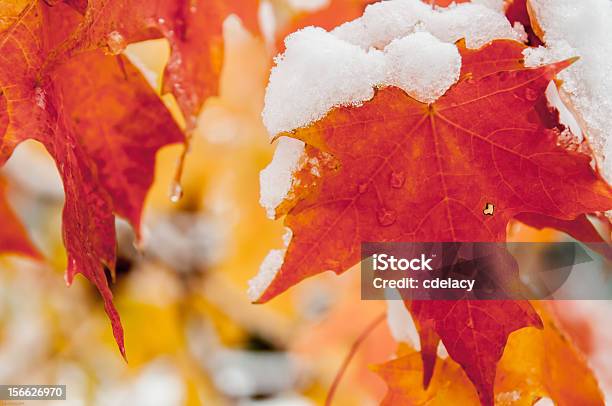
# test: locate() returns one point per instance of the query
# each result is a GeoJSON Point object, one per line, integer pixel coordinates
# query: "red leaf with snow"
{"type": "Point", "coordinates": [395, 169]}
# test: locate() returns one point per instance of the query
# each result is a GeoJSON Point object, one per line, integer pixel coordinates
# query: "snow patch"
{"type": "Point", "coordinates": [388, 20]}
{"type": "Point", "coordinates": [276, 179]}
{"type": "Point", "coordinates": [497, 5]}
{"type": "Point", "coordinates": [268, 269]}
{"type": "Point", "coordinates": [581, 29]}
{"type": "Point", "coordinates": [423, 66]}
{"type": "Point", "coordinates": [405, 43]}
{"type": "Point", "coordinates": [317, 72]}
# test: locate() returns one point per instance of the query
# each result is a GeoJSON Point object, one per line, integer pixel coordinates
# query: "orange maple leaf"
{"type": "Point", "coordinates": [526, 371]}
{"type": "Point", "coordinates": [194, 30]}
{"type": "Point", "coordinates": [395, 169]}
{"type": "Point", "coordinates": [99, 120]}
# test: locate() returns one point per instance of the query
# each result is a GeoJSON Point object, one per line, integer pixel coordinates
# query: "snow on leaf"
{"type": "Point", "coordinates": [103, 151]}
{"type": "Point", "coordinates": [385, 21]}
{"type": "Point", "coordinates": [402, 170]}
{"type": "Point", "coordinates": [371, 51]}
{"type": "Point", "coordinates": [586, 86]}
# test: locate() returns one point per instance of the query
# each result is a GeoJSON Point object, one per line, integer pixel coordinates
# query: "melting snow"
{"type": "Point", "coordinates": [404, 43]}
{"type": "Point", "coordinates": [411, 45]}
{"type": "Point", "coordinates": [423, 66]}
{"type": "Point", "coordinates": [275, 181]}
{"type": "Point", "coordinates": [581, 28]}
{"type": "Point", "coordinates": [268, 269]}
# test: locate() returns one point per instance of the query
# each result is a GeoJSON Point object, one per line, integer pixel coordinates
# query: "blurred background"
{"type": "Point", "coordinates": [192, 336]}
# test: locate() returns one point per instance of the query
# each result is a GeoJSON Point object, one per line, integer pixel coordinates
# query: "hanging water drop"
{"type": "Point", "coordinates": [386, 217]}
{"type": "Point", "coordinates": [176, 192]}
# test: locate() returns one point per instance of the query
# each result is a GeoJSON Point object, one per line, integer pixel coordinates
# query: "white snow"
{"type": "Point", "coordinates": [581, 28]}
{"type": "Point", "coordinates": [317, 72]}
{"type": "Point", "coordinates": [388, 20]}
{"type": "Point", "coordinates": [423, 66]}
{"type": "Point", "coordinates": [268, 269]}
{"type": "Point", "coordinates": [276, 179]}
{"type": "Point", "coordinates": [497, 5]}
{"type": "Point", "coordinates": [565, 116]}
{"type": "Point", "coordinates": [392, 43]}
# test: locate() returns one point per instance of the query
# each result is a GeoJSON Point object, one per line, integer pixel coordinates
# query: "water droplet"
{"type": "Point", "coordinates": [115, 43]}
{"type": "Point", "coordinates": [176, 192]}
{"type": "Point", "coordinates": [363, 187]}
{"type": "Point", "coordinates": [386, 217]}
{"type": "Point", "coordinates": [397, 179]}
{"type": "Point", "coordinates": [40, 97]}
{"type": "Point", "coordinates": [531, 94]}
{"type": "Point", "coordinates": [470, 323]}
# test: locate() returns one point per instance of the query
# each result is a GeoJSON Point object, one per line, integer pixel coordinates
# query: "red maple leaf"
{"type": "Point", "coordinates": [194, 30]}
{"type": "Point", "coordinates": [395, 169]}
{"type": "Point", "coordinates": [99, 120]}
{"type": "Point", "coordinates": [517, 11]}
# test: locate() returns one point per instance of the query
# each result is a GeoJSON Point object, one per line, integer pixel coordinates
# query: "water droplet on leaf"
{"type": "Point", "coordinates": [397, 179]}
{"type": "Point", "coordinates": [176, 192]}
{"type": "Point", "coordinates": [386, 217]}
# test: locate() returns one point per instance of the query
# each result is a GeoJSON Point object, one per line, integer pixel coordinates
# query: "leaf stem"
{"type": "Point", "coordinates": [362, 337]}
